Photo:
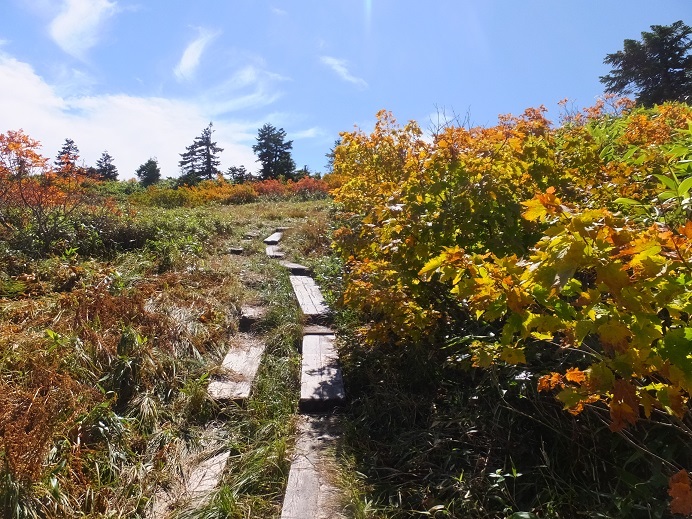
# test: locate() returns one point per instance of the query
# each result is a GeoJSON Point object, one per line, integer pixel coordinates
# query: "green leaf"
{"type": "Point", "coordinates": [667, 195]}
{"type": "Point", "coordinates": [668, 182]}
{"type": "Point", "coordinates": [685, 186]}
{"type": "Point", "coordinates": [677, 349]}
{"type": "Point", "coordinates": [627, 201]}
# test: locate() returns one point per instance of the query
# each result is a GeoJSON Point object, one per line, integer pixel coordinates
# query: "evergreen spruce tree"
{"type": "Point", "coordinates": [656, 69]}
{"type": "Point", "coordinates": [200, 160]}
{"type": "Point", "coordinates": [65, 162]}
{"type": "Point", "coordinates": [149, 173]}
{"type": "Point", "coordinates": [238, 174]}
{"type": "Point", "coordinates": [105, 168]}
{"type": "Point", "coordinates": [274, 153]}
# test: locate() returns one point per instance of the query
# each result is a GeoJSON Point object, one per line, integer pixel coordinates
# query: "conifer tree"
{"type": "Point", "coordinates": [105, 168]}
{"type": "Point", "coordinates": [274, 153]}
{"type": "Point", "coordinates": [200, 160]}
{"type": "Point", "coordinates": [656, 69]}
{"type": "Point", "coordinates": [149, 173]}
{"type": "Point", "coordinates": [65, 162]}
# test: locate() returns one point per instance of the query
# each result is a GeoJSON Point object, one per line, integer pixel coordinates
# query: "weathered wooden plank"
{"type": "Point", "coordinates": [239, 368]}
{"type": "Point", "coordinates": [310, 493]}
{"type": "Point", "coordinates": [206, 476]}
{"type": "Point", "coordinates": [309, 297]}
{"type": "Point", "coordinates": [296, 268]}
{"type": "Point", "coordinates": [274, 252]}
{"type": "Point", "coordinates": [316, 329]}
{"type": "Point", "coordinates": [321, 383]}
{"type": "Point", "coordinates": [194, 477]}
{"type": "Point", "coordinates": [274, 239]}
{"type": "Point", "coordinates": [250, 316]}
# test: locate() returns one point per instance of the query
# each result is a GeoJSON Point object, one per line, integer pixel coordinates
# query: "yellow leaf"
{"type": "Point", "coordinates": [512, 355]}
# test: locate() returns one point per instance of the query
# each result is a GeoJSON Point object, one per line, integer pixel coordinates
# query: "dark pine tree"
{"type": "Point", "coordinates": [65, 163]}
{"type": "Point", "coordinates": [238, 174]}
{"type": "Point", "coordinates": [149, 173]}
{"type": "Point", "coordinates": [105, 168]}
{"type": "Point", "coordinates": [200, 160]}
{"type": "Point", "coordinates": [274, 153]}
{"type": "Point", "coordinates": [656, 69]}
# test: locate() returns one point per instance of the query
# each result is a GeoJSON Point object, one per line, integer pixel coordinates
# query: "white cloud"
{"type": "Point", "coordinates": [279, 12]}
{"type": "Point", "coordinates": [340, 67]}
{"type": "Point", "coordinates": [189, 61]}
{"type": "Point", "coordinates": [79, 24]}
{"type": "Point", "coordinates": [131, 128]}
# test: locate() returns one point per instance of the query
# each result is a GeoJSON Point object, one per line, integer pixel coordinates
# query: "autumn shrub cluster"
{"type": "Point", "coordinates": [220, 191]}
{"type": "Point", "coordinates": [564, 250]}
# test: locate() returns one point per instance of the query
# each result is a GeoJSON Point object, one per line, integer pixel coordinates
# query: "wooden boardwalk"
{"type": "Point", "coordinates": [310, 493]}
{"type": "Point", "coordinates": [239, 368]}
{"type": "Point", "coordinates": [273, 251]}
{"type": "Point", "coordinates": [274, 239]}
{"type": "Point", "coordinates": [321, 384]}
{"type": "Point", "coordinates": [310, 299]}
{"type": "Point", "coordinates": [295, 268]}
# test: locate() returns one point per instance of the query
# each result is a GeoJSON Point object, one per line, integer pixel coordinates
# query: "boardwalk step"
{"type": "Point", "coordinates": [206, 476]}
{"type": "Point", "coordinates": [321, 384]}
{"type": "Point", "coordinates": [309, 492]}
{"type": "Point", "coordinates": [274, 239]}
{"type": "Point", "coordinates": [309, 298]}
{"type": "Point", "coordinates": [250, 316]}
{"type": "Point", "coordinates": [316, 329]}
{"type": "Point", "coordinates": [274, 252]}
{"type": "Point", "coordinates": [199, 474]}
{"type": "Point", "coordinates": [296, 268]}
{"type": "Point", "coordinates": [239, 368]}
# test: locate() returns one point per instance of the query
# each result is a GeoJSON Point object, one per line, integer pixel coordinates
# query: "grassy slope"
{"type": "Point", "coordinates": [104, 366]}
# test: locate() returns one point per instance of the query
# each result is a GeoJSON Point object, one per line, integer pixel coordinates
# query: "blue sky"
{"type": "Point", "coordinates": [142, 78]}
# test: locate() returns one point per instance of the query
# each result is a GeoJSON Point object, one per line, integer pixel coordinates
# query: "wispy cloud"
{"type": "Point", "coordinates": [310, 133]}
{"type": "Point", "coordinates": [189, 61]}
{"type": "Point", "coordinates": [340, 67]}
{"type": "Point", "coordinates": [279, 12]}
{"type": "Point", "coordinates": [252, 86]}
{"type": "Point", "coordinates": [79, 24]}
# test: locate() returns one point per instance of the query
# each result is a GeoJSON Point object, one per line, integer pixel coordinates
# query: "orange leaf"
{"type": "Point", "coordinates": [548, 382]}
{"type": "Point", "coordinates": [575, 375]}
{"type": "Point", "coordinates": [624, 406]}
{"type": "Point", "coordinates": [680, 490]}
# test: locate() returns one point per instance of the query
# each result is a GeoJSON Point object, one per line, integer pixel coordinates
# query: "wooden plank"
{"type": "Point", "coordinates": [316, 329]}
{"type": "Point", "coordinates": [250, 316]}
{"type": "Point", "coordinates": [206, 476]}
{"type": "Point", "coordinates": [296, 268]}
{"type": "Point", "coordinates": [274, 252]}
{"type": "Point", "coordinates": [309, 297]}
{"type": "Point", "coordinates": [238, 370]}
{"type": "Point", "coordinates": [310, 492]}
{"type": "Point", "coordinates": [274, 239]}
{"type": "Point", "coordinates": [193, 478]}
{"type": "Point", "coordinates": [321, 383]}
